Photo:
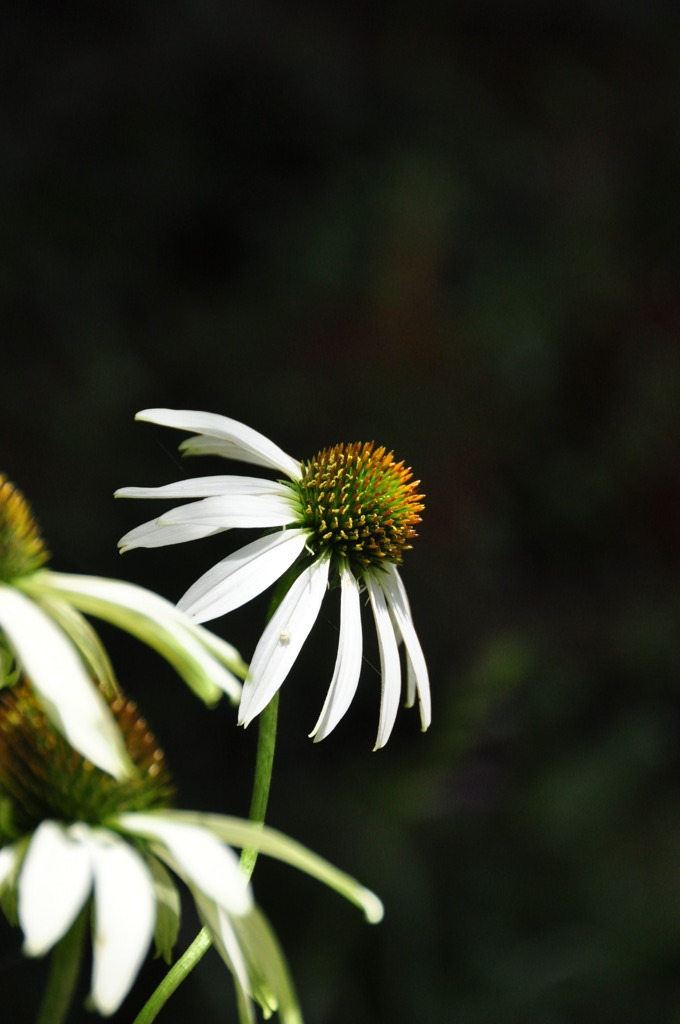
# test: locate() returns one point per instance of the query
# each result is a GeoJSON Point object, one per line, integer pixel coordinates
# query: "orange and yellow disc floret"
{"type": "Point", "coordinates": [360, 506]}
{"type": "Point", "coordinates": [22, 549]}
{"type": "Point", "coordinates": [42, 777]}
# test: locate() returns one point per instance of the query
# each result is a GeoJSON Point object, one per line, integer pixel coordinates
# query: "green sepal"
{"type": "Point", "coordinates": [168, 912]}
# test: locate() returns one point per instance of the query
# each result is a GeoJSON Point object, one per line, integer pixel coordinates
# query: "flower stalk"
{"type": "Point", "coordinates": [264, 767]}
{"type": "Point", "coordinates": [63, 975]}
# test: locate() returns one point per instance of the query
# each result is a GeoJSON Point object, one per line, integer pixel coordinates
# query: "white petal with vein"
{"type": "Point", "coordinates": [243, 575]}
{"type": "Point", "coordinates": [390, 669]}
{"type": "Point", "coordinates": [54, 882]}
{"type": "Point", "coordinates": [241, 442]}
{"type": "Point", "coordinates": [348, 661]}
{"type": "Point", "coordinates": [206, 862]}
{"type": "Point", "coordinates": [124, 918]}
{"type": "Point", "coordinates": [282, 640]}
{"type": "Point", "coordinates": [62, 681]}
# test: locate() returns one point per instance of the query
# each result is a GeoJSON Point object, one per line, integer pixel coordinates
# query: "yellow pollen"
{"type": "Point", "coordinates": [22, 549]}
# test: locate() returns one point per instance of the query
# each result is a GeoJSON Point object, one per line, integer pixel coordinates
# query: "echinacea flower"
{"type": "Point", "coordinates": [73, 837]}
{"type": "Point", "coordinates": [342, 518]}
{"type": "Point", "coordinates": [42, 629]}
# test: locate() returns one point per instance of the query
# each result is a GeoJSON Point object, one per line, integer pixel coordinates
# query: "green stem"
{"type": "Point", "coordinates": [174, 978]}
{"type": "Point", "coordinates": [264, 764]}
{"type": "Point", "coordinates": [64, 968]}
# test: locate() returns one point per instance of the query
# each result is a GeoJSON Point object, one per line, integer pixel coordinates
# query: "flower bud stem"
{"type": "Point", "coordinates": [264, 764]}
{"type": "Point", "coordinates": [63, 975]}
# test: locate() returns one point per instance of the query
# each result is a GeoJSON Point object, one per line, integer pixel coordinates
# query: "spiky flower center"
{"type": "Point", "coordinates": [42, 777]}
{"type": "Point", "coordinates": [360, 504]}
{"type": "Point", "coordinates": [22, 549]}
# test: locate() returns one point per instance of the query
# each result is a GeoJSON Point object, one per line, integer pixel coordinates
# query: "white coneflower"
{"type": "Point", "coordinates": [43, 631]}
{"type": "Point", "coordinates": [344, 517]}
{"type": "Point", "coordinates": [74, 835]}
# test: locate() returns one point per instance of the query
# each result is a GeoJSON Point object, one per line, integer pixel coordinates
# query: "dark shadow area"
{"type": "Point", "coordinates": [452, 229]}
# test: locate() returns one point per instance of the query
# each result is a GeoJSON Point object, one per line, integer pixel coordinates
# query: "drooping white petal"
{"type": "Point", "coordinates": [411, 688]}
{"type": "Point", "coordinates": [411, 683]}
{"type": "Point", "coordinates": [240, 442]}
{"type": "Point", "coordinates": [269, 975]}
{"type": "Point", "coordinates": [60, 678]}
{"type": "Point", "coordinates": [252, 952]}
{"type": "Point", "coordinates": [54, 882]}
{"type": "Point", "coordinates": [348, 661]}
{"type": "Point", "coordinates": [390, 669]}
{"type": "Point", "coordinates": [197, 855]}
{"type": "Point", "coordinates": [203, 487]}
{"type": "Point", "coordinates": [282, 639]}
{"type": "Point", "coordinates": [124, 917]}
{"type": "Point", "coordinates": [238, 832]}
{"type": "Point", "coordinates": [243, 575]}
{"type": "Point", "coordinates": [154, 534]}
{"type": "Point", "coordinates": [231, 512]}
{"type": "Point", "coordinates": [396, 595]}
{"type": "Point", "coordinates": [198, 656]}
{"type": "Point", "coordinates": [227, 945]}
{"type": "Point", "coordinates": [168, 909]}
{"type": "Point", "coordinates": [9, 858]}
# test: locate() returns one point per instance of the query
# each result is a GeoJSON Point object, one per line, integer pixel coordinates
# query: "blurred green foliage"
{"type": "Point", "coordinates": [453, 229]}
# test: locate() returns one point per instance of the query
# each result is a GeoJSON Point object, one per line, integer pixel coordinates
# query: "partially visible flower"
{"type": "Point", "coordinates": [74, 835]}
{"type": "Point", "coordinates": [343, 518]}
{"type": "Point", "coordinates": [42, 628]}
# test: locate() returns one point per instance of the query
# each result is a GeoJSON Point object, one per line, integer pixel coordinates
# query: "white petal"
{"type": "Point", "coordinates": [396, 595]}
{"type": "Point", "coordinates": [245, 834]}
{"type": "Point", "coordinates": [390, 669]}
{"type": "Point", "coordinates": [411, 688]}
{"type": "Point", "coordinates": [229, 512]}
{"type": "Point", "coordinates": [192, 650]}
{"type": "Point", "coordinates": [9, 858]}
{"type": "Point", "coordinates": [197, 855]}
{"type": "Point", "coordinates": [54, 882]}
{"type": "Point", "coordinates": [243, 575]}
{"type": "Point", "coordinates": [348, 662]}
{"type": "Point", "coordinates": [240, 442]}
{"type": "Point", "coordinates": [60, 678]}
{"type": "Point", "coordinates": [227, 945]}
{"type": "Point", "coordinates": [154, 534]}
{"type": "Point", "coordinates": [203, 487]}
{"type": "Point", "coordinates": [282, 640]}
{"type": "Point", "coordinates": [124, 918]}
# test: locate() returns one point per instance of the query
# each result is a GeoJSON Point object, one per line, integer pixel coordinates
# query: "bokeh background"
{"type": "Point", "coordinates": [451, 228]}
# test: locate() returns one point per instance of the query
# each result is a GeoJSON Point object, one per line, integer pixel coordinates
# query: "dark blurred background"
{"type": "Point", "coordinates": [452, 229]}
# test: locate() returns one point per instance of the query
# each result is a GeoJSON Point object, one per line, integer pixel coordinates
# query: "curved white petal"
{"type": "Point", "coordinates": [243, 575]}
{"type": "Point", "coordinates": [60, 678]}
{"type": "Point", "coordinates": [230, 512]}
{"type": "Point", "coordinates": [390, 669]}
{"type": "Point", "coordinates": [394, 589]}
{"type": "Point", "coordinates": [198, 855]}
{"type": "Point", "coordinates": [282, 640]}
{"type": "Point", "coordinates": [124, 918]}
{"type": "Point", "coordinates": [198, 656]}
{"type": "Point", "coordinates": [348, 662]}
{"type": "Point", "coordinates": [203, 487]}
{"type": "Point", "coordinates": [240, 442]}
{"type": "Point", "coordinates": [248, 834]}
{"type": "Point", "coordinates": [154, 534]}
{"type": "Point", "coordinates": [412, 688]}
{"type": "Point", "coordinates": [54, 882]}
{"type": "Point", "coordinates": [227, 945]}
